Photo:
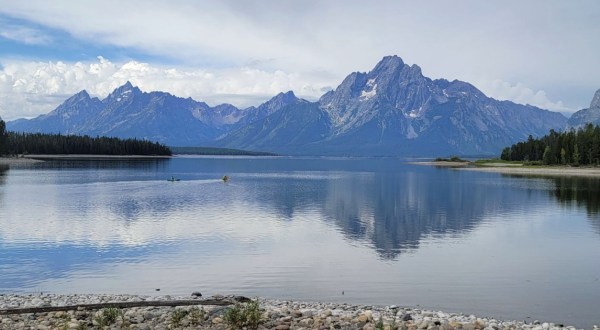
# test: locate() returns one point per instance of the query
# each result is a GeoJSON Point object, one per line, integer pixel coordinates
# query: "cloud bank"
{"type": "Point", "coordinates": [538, 52]}
{"type": "Point", "coordinates": [28, 89]}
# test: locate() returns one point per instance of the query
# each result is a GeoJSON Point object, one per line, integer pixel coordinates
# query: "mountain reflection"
{"type": "Point", "coordinates": [394, 211]}
{"type": "Point", "coordinates": [384, 204]}
{"type": "Point", "coordinates": [391, 210]}
{"type": "Point", "coordinates": [127, 212]}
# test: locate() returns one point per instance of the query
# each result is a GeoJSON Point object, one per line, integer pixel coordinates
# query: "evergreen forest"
{"type": "Point", "coordinates": [12, 143]}
{"type": "Point", "coordinates": [573, 147]}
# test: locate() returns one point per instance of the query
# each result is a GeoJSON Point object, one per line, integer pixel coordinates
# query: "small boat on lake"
{"type": "Point", "coordinates": [173, 179]}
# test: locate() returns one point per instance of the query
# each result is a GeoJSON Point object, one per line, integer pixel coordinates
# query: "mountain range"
{"type": "Point", "coordinates": [393, 110]}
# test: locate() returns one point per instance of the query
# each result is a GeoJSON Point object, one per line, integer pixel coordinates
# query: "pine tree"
{"type": "Point", "coordinates": [547, 156]}
{"type": "Point", "coordinates": [576, 156]}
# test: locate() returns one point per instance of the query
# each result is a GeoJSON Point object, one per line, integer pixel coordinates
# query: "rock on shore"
{"type": "Point", "coordinates": [272, 314]}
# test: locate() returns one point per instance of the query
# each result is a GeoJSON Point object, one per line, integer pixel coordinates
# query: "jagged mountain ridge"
{"type": "Point", "coordinates": [128, 112]}
{"type": "Point", "coordinates": [586, 116]}
{"type": "Point", "coordinates": [391, 110]}
{"type": "Point", "coordinates": [395, 110]}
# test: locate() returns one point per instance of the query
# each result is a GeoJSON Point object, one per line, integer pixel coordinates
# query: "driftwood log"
{"type": "Point", "coordinates": [126, 304]}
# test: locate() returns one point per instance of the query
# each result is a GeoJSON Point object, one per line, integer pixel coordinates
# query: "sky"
{"type": "Point", "coordinates": [540, 52]}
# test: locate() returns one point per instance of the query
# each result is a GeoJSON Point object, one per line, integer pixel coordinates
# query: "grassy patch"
{"type": "Point", "coordinates": [495, 161]}
{"type": "Point", "coordinates": [108, 316]}
{"type": "Point", "coordinates": [451, 159]}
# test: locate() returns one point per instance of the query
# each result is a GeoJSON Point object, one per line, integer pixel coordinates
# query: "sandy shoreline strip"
{"type": "Point", "coordinates": [28, 160]}
{"type": "Point", "coordinates": [14, 161]}
{"type": "Point", "coordinates": [542, 171]}
{"type": "Point", "coordinates": [518, 169]}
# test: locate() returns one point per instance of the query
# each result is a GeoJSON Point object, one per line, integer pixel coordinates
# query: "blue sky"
{"type": "Point", "coordinates": [541, 52]}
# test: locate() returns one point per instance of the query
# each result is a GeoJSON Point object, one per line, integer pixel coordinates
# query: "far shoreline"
{"type": "Point", "coordinates": [18, 161]}
{"type": "Point", "coordinates": [517, 169]}
{"type": "Point", "coordinates": [32, 159]}
{"type": "Point", "coordinates": [92, 157]}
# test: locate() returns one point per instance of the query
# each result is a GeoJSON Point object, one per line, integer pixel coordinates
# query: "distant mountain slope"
{"type": "Point", "coordinates": [589, 115]}
{"type": "Point", "coordinates": [126, 112]}
{"type": "Point", "coordinates": [395, 110]}
{"type": "Point", "coordinates": [391, 110]}
{"type": "Point", "coordinates": [297, 128]}
{"type": "Point", "coordinates": [67, 118]}
{"type": "Point", "coordinates": [156, 116]}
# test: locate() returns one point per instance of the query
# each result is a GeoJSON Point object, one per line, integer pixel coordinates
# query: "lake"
{"type": "Point", "coordinates": [357, 230]}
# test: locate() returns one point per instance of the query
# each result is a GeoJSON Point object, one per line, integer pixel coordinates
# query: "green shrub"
{"type": "Point", "coordinates": [177, 316]}
{"type": "Point", "coordinates": [196, 315]}
{"type": "Point", "coordinates": [240, 316]}
{"type": "Point", "coordinates": [108, 316]}
{"type": "Point", "coordinates": [252, 314]}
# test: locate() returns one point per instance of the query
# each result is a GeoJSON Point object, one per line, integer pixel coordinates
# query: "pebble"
{"type": "Point", "coordinates": [275, 314]}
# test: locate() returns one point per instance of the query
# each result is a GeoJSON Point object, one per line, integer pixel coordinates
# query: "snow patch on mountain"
{"type": "Point", "coordinates": [367, 95]}
{"type": "Point", "coordinates": [370, 90]}
{"type": "Point", "coordinates": [415, 112]}
{"type": "Point", "coordinates": [411, 134]}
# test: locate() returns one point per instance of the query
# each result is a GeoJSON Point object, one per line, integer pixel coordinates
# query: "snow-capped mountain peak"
{"type": "Point", "coordinates": [123, 92]}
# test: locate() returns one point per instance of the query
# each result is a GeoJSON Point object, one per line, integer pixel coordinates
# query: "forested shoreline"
{"type": "Point", "coordinates": [12, 143]}
{"type": "Point", "coordinates": [573, 147]}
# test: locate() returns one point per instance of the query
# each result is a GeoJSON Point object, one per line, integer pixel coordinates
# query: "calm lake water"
{"type": "Point", "coordinates": [372, 231]}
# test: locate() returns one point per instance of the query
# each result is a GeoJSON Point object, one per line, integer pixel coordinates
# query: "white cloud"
{"type": "Point", "coordinates": [447, 39]}
{"type": "Point", "coordinates": [28, 89]}
{"type": "Point", "coordinates": [25, 35]}
{"type": "Point", "coordinates": [520, 93]}
{"type": "Point", "coordinates": [252, 48]}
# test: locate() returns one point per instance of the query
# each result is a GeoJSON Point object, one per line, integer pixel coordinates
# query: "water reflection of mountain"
{"type": "Point", "coordinates": [396, 210]}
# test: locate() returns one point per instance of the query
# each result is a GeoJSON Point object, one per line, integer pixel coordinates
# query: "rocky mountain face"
{"type": "Point", "coordinates": [130, 113]}
{"type": "Point", "coordinates": [391, 110]}
{"type": "Point", "coordinates": [395, 110]}
{"type": "Point", "coordinates": [589, 115]}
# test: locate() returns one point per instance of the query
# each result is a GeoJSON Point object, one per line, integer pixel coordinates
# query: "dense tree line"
{"type": "Point", "coordinates": [574, 147]}
{"type": "Point", "coordinates": [37, 143]}
{"type": "Point", "coordinates": [3, 138]}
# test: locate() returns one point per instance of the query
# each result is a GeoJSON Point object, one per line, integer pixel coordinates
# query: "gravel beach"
{"type": "Point", "coordinates": [215, 313]}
